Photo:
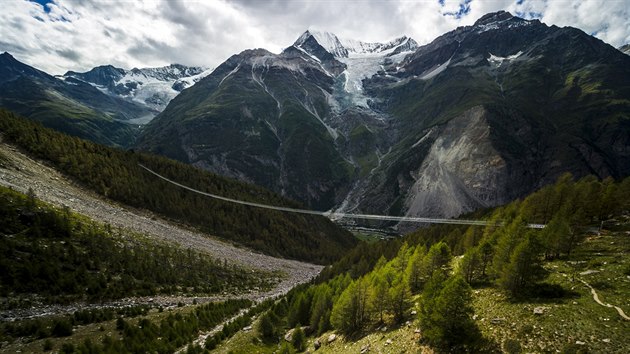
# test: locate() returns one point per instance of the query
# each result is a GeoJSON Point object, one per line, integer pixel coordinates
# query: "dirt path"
{"type": "Point", "coordinates": [597, 300]}
{"type": "Point", "coordinates": [21, 172]}
{"type": "Point", "coordinates": [201, 339]}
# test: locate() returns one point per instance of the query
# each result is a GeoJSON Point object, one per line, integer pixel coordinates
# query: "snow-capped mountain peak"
{"type": "Point", "coordinates": [329, 41]}
{"type": "Point", "coordinates": [500, 19]}
{"type": "Point", "coordinates": [344, 48]}
{"type": "Point", "coordinates": [359, 60]}
{"type": "Point", "coordinates": [153, 87]}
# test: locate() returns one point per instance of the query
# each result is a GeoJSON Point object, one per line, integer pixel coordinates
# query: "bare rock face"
{"type": "Point", "coordinates": [462, 171]}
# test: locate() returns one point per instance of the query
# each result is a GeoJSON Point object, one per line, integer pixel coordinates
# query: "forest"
{"type": "Point", "coordinates": [64, 257]}
{"type": "Point", "coordinates": [376, 285]}
{"type": "Point", "coordinates": [115, 174]}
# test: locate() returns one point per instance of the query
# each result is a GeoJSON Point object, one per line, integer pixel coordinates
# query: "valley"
{"type": "Point", "coordinates": [288, 189]}
{"type": "Point", "coordinates": [21, 173]}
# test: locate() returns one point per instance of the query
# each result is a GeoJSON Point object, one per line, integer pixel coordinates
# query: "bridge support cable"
{"type": "Point", "coordinates": [332, 215]}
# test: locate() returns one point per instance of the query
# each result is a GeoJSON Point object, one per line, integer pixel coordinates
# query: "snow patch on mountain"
{"type": "Point", "coordinates": [362, 66]}
{"type": "Point", "coordinates": [508, 23]}
{"type": "Point", "coordinates": [330, 42]}
{"type": "Point", "coordinates": [433, 73]}
{"type": "Point", "coordinates": [362, 59]}
{"type": "Point", "coordinates": [498, 61]}
{"type": "Point", "coordinates": [344, 48]}
{"type": "Point", "coordinates": [152, 87]}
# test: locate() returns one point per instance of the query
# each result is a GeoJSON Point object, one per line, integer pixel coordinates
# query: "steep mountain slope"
{"type": "Point", "coordinates": [151, 87]}
{"type": "Point", "coordinates": [480, 116]}
{"type": "Point", "coordinates": [489, 112]}
{"type": "Point", "coordinates": [69, 105]}
{"type": "Point", "coordinates": [296, 122]}
{"type": "Point", "coordinates": [116, 174]}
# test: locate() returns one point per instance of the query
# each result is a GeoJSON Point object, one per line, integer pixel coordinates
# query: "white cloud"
{"type": "Point", "coordinates": [78, 35]}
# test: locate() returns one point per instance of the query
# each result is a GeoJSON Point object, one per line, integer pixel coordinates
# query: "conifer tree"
{"type": "Point", "coordinates": [446, 321]}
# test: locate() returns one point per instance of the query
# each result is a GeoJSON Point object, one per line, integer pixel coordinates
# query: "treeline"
{"type": "Point", "coordinates": [160, 336]}
{"type": "Point", "coordinates": [231, 328]}
{"type": "Point", "coordinates": [61, 326]}
{"type": "Point", "coordinates": [365, 290]}
{"type": "Point", "coordinates": [65, 257]}
{"type": "Point", "coordinates": [115, 174]}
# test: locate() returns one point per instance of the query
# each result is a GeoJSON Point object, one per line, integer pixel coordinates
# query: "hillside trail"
{"type": "Point", "coordinates": [20, 172]}
{"type": "Point", "coordinates": [597, 300]}
{"type": "Point", "coordinates": [203, 336]}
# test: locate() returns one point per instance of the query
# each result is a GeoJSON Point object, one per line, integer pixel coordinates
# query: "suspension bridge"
{"type": "Point", "coordinates": [334, 216]}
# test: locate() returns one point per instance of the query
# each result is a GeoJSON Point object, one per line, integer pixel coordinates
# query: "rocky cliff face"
{"type": "Point", "coordinates": [462, 168]}
{"type": "Point", "coordinates": [537, 101]}
{"type": "Point", "coordinates": [480, 116]}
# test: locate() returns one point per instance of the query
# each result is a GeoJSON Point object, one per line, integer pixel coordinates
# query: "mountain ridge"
{"type": "Point", "coordinates": [151, 87]}
{"type": "Point", "coordinates": [69, 105]}
{"type": "Point", "coordinates": [387, 123]}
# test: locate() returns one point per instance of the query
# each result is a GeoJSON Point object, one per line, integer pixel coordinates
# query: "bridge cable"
{"type": "Point", "coordinates": [333, 215]}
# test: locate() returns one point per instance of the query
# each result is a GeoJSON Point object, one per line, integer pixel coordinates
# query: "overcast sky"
{"type": "Point", "coordinates": [60, 35]}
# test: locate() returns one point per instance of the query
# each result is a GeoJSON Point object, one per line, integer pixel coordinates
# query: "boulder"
{"type": "Point", "coordinates": [317, 344]}
{"type": "Point", "coordinates": [331, 338]}
{"type": "Point", "coordinates": [289, 335]}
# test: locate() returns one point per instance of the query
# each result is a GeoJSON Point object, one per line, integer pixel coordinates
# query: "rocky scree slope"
{"type": "Point", "coordinates": [488, 113]}
{"type": "Point", "coordinates": [480, 116]}
{"type": "Point", "coordinates": [20, 172]}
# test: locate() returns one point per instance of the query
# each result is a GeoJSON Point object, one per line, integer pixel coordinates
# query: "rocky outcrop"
{"type": "Point", "coordinates": [461, 172]}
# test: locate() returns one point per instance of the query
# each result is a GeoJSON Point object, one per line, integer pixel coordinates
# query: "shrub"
{"type": "Point", "coordinates": [48, 345]}
{"type": "Point", "coordinates": [62, 328]}
{"type": "Point", "coordinates": [512, 346]}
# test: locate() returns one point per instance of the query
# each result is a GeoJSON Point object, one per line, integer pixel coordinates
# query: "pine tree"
{"type": "Point", "coordinates": [350, 311]}
{"type": "Point", "coordinates": [379, 296]}
{"type": "Point", "coordinates": [471, 265]}
{"type": "Point", "coordinates": [299, 339]}
{"type": "Point", "coordinates": [399, 295]}
{"type": "Point", "coordinates": [413, 273]}
{"type": "Point", "coordinates": [266, 329]}
{"type": "Point", "coordinates": [447, 320]}
{"type": "Point", "coordinates": [438, 258]}
{"type": "Point", "coordinates": [524, 267]}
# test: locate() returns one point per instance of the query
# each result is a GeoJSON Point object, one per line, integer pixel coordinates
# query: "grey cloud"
{"type": "Point", "coordinates": [132, 33]}
{"type": "Point", "coordinates": [69, 54]}
{"type": "Point", "coordinates": [177, 12]}
{"type": "Point", "coordinates": [13, 48]}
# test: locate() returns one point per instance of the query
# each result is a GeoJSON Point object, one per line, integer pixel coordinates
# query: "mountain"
{"type": "Point", "coordinates": [480, 116]}
{"type": "Point", "coordinates": [151, 87]}
{"type": "Point", "coordinates": [116, 174]}
{"type": "Point", "coordinates": [487, 113]}
{"type": "Point", "coordinates": [284, 121]}
{"type": "Point", "coordinates": [67, 104]}
{"type": "Point", "coordinates": [625, 49]}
